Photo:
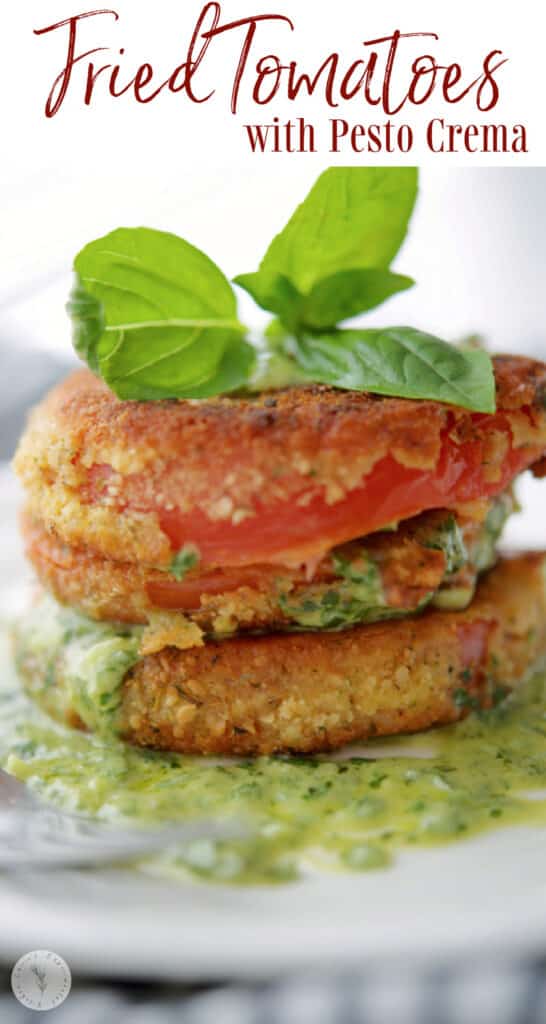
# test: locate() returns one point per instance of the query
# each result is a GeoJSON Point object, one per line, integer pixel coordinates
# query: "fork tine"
{"type": "Point", "coordinates": [34, 834]}
{"type": "Point", "coordinates": [26, 847]}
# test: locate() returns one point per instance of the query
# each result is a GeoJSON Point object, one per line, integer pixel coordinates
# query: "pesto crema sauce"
{"type": "Point", "coordinates": [347, 812]}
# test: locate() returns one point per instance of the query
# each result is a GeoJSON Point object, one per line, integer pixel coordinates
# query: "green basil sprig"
{"type": "Point", "coordinates": [331, 260]}
{"type": "Point", "coordinates": [397, 361]}
{"type": "Point", "coordinates": [156, 318]}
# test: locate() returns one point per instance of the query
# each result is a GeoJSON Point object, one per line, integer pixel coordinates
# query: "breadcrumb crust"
{"type": "Point", "coordinates": [105, 473]}
{"type": "Point", "coordinates": [313, 692]}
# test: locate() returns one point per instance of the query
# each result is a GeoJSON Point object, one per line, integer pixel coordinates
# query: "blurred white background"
{"type": "Point", "coordinates": [476, 245]}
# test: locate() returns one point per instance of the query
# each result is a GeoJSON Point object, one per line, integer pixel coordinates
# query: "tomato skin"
{"type": "Point", "coordinates": [185, 595]}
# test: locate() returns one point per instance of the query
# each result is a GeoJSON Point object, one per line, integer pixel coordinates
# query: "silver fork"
{"type": "Point", "coordinates": [36, 835]}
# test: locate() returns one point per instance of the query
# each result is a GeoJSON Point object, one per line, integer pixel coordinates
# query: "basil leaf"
{"type": "Point", "coordinates": [398, 361]}
{"type": "Point", "coordinates": [88, 324]}
{"type": "Point", "coordinates": [354, 218]}
{"type": "Point", "coordinates": [234, 371]}
{"type": "Point", "coordinates": [184, 560]}
{"type": "Point", "coordinates": [151, 313]}
{"type": "Point", "coordinates": [331, 299]}
{"type": "Point", "coordinates": [348, 293]}
{"type": "Point", "coordinates": [275, 293]}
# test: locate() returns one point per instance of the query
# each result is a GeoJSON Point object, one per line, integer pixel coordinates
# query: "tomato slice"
{"type": "Point", "coordinates": [186, 594]}
{"type": "Point", "coordinates": [473, 638]}
{"type": "Point", "coordinates": [290, 534]}
{"type": "Point", "coordinates": [303, 530]}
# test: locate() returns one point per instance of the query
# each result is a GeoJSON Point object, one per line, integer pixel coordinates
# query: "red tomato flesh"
{"type": "Point", "coordinates": [304, 529]}
{"type": "Point", "coordinates": [391, 492]}
{"type": "Point", "coordinates": [186, 594]}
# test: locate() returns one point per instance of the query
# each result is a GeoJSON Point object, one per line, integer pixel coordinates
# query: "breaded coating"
{"type": "Point", "coordinates": [315, 692]}
{"type": "Point", "coordinates": [134, 481]}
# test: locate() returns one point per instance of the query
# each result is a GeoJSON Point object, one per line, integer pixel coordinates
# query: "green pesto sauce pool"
{"type": "Point", "coordinates": [350, 813]}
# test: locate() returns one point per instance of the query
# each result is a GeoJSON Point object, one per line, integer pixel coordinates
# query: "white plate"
{"type": "Point", "coordinates": [486, 894]}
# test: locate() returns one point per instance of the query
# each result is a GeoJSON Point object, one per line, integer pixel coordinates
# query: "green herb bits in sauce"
{"type": "Point", "coordinates": [69, 661]}
{"type": "Point", "coordinates": [351, 814]}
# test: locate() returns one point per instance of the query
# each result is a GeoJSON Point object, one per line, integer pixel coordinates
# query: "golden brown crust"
{"type": "Point", "coordinates": [271, 425]}
{"type": "Point", "coordinates": [303, 419]}
{"type": "Point", "coordinates": [107, 473]}
{"type": "Point", "coordinates": [316, 692]}
{"type": "Point", "coordinates": [313, 692]}
{"type": "Point", "coordinates": [520, 382]}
